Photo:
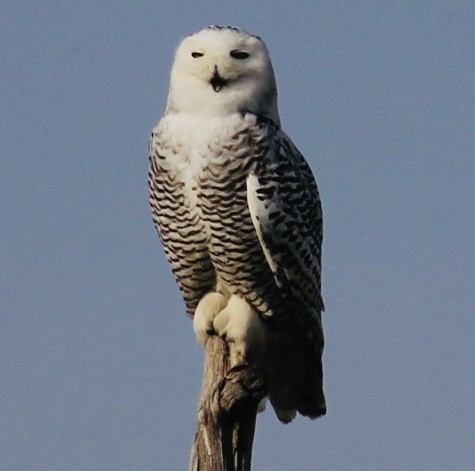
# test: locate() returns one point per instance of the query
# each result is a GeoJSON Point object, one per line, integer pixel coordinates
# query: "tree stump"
{"type": "Point", "coordinates": [227, 411]}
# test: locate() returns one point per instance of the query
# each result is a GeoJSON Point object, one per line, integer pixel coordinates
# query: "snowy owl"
{"type": "Point", "coordinates": [238, 212]}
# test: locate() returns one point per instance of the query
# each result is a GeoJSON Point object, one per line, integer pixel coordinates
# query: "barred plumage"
{"type": "Point", "coordinates": [239, 215]}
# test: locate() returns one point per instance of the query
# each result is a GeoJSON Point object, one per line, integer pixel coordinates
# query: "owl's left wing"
{"type": "Point", "coordinates": [285, 208]}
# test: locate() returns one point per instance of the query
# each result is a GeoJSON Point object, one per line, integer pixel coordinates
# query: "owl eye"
{"type": "Point", "coordinates": [195, 55]}
{"type": "Point", "coordinates": [236, 54]}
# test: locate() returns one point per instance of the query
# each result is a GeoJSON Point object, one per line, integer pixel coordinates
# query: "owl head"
{"type": "Point", "coordinates": [222, 70]}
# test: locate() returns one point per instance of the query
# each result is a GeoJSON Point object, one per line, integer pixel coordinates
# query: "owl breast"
{"type": "Point", "coordinates": [212, 168]}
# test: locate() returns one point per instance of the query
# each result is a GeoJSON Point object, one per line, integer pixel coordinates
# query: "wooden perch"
{"type": "Point", "coordinates": [227, 412]}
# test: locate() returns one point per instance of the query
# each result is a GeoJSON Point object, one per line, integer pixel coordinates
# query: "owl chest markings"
{"type": "Point", "coordinates": [210, 169]}
{"type": "Point", "coordinates": [211, 165]}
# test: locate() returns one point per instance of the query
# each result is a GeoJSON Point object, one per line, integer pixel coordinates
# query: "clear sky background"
{"type": "Point", "coordinates": [99, 367]}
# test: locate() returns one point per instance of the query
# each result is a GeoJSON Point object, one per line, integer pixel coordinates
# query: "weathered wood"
{"type": "Point", "coordinates": [227, 412]}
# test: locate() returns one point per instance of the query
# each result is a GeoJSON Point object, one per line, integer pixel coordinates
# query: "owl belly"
{"type": "Point", "coordinates": [212, 168]}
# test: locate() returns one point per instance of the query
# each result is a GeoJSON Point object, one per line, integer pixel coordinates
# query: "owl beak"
{"type": "Point", "coordinates": [216, 81]}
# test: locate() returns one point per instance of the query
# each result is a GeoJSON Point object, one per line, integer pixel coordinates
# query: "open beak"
{"type": "Point", "coordinates": [216, 81]}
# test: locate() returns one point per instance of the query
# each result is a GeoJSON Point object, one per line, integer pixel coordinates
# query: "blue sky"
{"type": "Point", "coordinates": [99, 366]}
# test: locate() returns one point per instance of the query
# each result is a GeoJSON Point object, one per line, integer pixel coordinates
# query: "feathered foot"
{"type": "Point", "coordinates": [243, 330]}
{"type": "Point", "coordinates": [208, 307]}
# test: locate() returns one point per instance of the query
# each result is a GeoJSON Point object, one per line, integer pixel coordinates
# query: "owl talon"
{"type": "Point", "coordinates": [242, 329]}
{"type": "Point", "coordinates": [209, 306]}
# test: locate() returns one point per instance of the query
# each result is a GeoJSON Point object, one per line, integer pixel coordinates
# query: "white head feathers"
{"type": "Point", "coordinates": [222, 70]}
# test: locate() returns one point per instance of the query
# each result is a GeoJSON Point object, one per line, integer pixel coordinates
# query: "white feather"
{"type": "Point", "coordinates": [259, 216]}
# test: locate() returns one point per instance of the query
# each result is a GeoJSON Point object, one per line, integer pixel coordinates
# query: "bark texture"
{"type": "Point", "coordinates": [227, 412]}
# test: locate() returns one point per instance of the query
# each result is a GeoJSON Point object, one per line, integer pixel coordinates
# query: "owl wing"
{"type": "Point", "coordinates": [285, 208]}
